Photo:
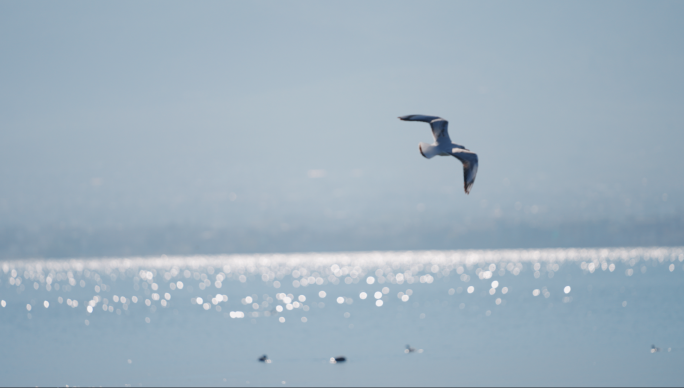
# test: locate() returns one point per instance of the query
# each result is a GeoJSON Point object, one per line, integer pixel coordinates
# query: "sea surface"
{"type": "Point", "coordinates": [430, 318]}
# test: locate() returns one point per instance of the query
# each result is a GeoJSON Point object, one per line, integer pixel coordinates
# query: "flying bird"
{"type": "Point", "coordinates": [444, 147]}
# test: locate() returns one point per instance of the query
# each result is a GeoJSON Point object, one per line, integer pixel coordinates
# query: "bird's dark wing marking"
{"type": "Point", "coordinates": [470, 164]}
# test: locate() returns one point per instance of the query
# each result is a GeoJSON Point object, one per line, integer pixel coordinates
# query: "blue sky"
{"type": "Point", "coordinates": [215, 114]}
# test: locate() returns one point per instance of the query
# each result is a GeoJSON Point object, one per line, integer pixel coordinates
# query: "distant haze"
{"type": "Point", "coordinates": [215, 127]}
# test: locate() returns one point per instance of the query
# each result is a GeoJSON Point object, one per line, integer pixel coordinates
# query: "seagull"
{"type": "Point", "coordinates": [409, 349]}
{"type": "Point", "coordinates": [444, 147]}
{"type": "Point", "coordinates": [335, 360]}
{"type": "Point", "coordinates": [654, 349]}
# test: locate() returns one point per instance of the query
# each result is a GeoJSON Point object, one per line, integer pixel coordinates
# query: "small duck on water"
{"type": "Point", "coordinates": [265, 359]}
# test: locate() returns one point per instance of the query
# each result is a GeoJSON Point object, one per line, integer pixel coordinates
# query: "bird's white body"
{"type": "Point", "coordinates": [443, 146]}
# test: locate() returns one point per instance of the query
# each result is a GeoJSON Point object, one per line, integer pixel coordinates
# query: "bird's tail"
{"type": "Point", "coordinates": [427, 150]}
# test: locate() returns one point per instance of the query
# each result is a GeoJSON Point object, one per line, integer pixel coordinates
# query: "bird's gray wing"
{"type": "Point", "coordinates": [469, 160]}
{"type": "Point", "coordinates": [439, 126]}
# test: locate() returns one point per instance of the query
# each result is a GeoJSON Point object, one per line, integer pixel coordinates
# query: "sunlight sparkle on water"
{"type": "Point", "coordinates": [263, 285]}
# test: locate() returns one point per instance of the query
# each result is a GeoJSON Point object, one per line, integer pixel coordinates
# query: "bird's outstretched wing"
{"type": "Point", "coordinates": [439, 126]}
{"type": "Point", "coordinates": [469, 160]}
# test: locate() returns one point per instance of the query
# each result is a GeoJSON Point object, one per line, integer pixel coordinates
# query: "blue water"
{"type": "Point", "coordinates": [532, 317]}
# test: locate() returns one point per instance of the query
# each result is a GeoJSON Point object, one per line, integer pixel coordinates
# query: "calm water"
{"type": "Point", "coordinates": [518, 317]}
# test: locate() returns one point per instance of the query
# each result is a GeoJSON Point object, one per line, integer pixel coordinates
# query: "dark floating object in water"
{"type": "Point", "coordinates": [409, 349]}
{"type": "Point", "coordinates": [654, 349]}
{"type": "Point", "coordinates": [335, 360]}
{"type": "Point", "coordinates": [265, 359]}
